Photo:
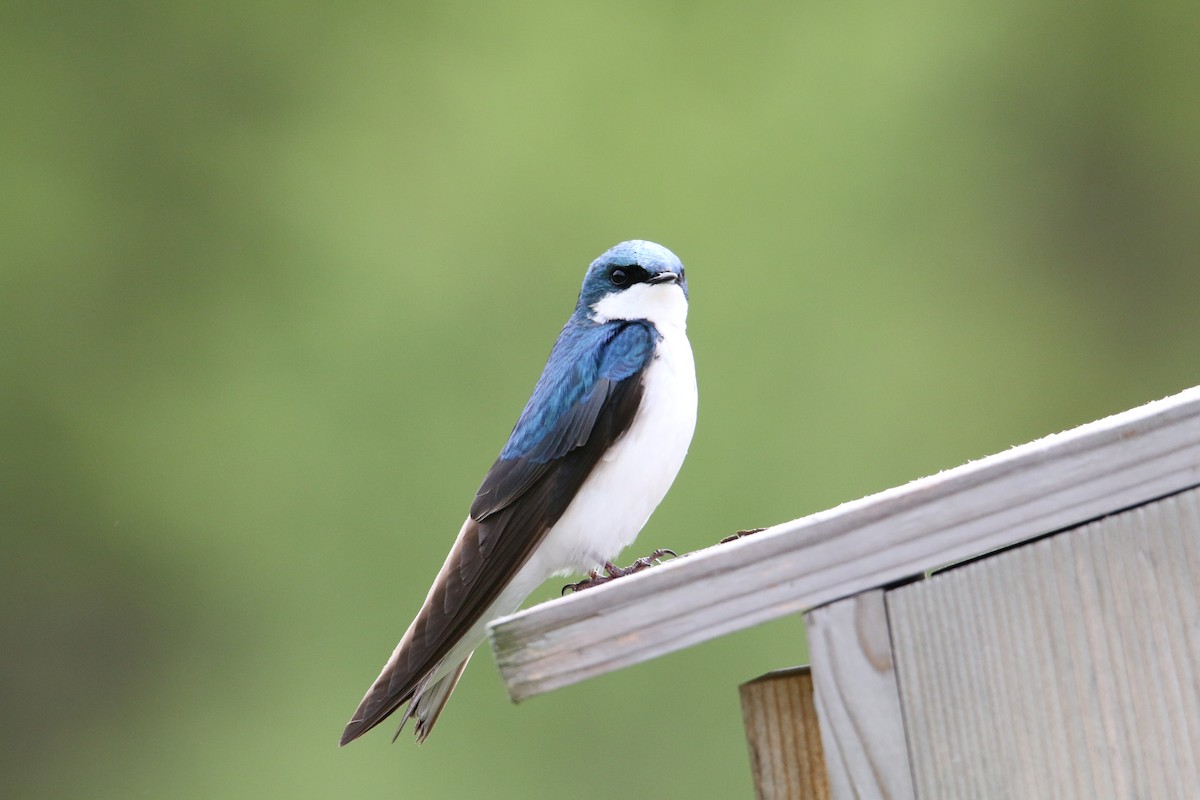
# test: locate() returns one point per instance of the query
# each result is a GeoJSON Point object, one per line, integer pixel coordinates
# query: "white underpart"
{"type": "Point", "coordinates": [631, 479]}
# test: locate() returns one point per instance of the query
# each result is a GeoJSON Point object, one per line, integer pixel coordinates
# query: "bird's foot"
{"type": "Point", "coordinates": [593, 579]}
{"type": "Point", "coordinates": [740, 535]}
{"type": "Point", "coordinates": [642, 563]}
{"type": "Point", "coordinates": [612, 571]}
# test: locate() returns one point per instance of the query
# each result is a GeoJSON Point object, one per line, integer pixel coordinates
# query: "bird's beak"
{"type": "Point", "coordinates": [664, 277]}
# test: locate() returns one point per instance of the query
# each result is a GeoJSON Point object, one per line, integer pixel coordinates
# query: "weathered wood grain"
{"type": "Point", "coordinates": [858, 701]}
{"type": "Point", "coordinates": [780, 718]}
{"type": "Point", "coordinates": [1066, 668]}
{"type": "Point", "coordinates": [1055, 482]}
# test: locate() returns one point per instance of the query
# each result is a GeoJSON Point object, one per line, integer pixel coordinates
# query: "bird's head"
{"type": "Point", "coordinates": [635, 280]}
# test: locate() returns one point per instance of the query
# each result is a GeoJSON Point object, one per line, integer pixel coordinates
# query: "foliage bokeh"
{"type": "Point", "coordinates": [276, 278]}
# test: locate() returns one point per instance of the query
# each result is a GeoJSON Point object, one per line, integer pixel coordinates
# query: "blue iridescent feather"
{"type": "Point", "coordinates": [566, 401]}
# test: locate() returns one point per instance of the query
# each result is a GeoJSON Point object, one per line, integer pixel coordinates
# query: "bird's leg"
{"type": "Point", "coordinates": [739, 535]}
{"type": "Point", "coordinates": [612, 571]}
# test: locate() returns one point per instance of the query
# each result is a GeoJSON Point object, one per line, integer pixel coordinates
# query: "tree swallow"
{"type": "Point", "coordinates": [592, 455]}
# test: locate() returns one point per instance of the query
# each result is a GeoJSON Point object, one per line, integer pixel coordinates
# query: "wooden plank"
{"type": "Point", "coordinates": [1055, 482]}
{"type": "Point", "coordinates": [1067, 668]}
{"type": "Point", "coordinates": [780, 718]}
{"type": "Point", "coordinates": [858, 701]}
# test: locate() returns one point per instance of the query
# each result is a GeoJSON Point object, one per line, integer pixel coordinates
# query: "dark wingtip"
{"type": "Point", "coordinates": [370, 714]}
{"type": "Point", "coordinates": [354, 729]}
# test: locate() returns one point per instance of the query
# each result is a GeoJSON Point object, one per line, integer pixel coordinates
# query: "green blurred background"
{"type": "Point", "coordinates": [276, 279]}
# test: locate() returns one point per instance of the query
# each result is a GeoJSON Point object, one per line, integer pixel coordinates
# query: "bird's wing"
{"type": "Point", "coordinates": [572, 418]}
{"type": "Point", "coordinates": [566, 407]}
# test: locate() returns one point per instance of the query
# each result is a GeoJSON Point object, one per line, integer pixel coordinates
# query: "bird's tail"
{"type": "Point", "coordinates": [425, 702]}
{"type": "Point", "coordinates": [428, 702]}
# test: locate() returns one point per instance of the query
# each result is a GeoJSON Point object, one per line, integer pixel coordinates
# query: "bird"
{"type": "Point", "coordinates": [591, 456]}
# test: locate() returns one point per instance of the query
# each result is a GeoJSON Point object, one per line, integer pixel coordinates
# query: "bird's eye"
{"type": "Point", "coordinates": [619, 277]}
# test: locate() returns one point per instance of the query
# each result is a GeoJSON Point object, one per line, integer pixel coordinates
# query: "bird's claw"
{"type": "Point", "coordinates": [637, 566]}
{"type": "Point", "coordinates": [740, 535]}
{"type": "Point", "coordinates": [593, 579]}
{"type": "Point", "coordinates": [612, 571]}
